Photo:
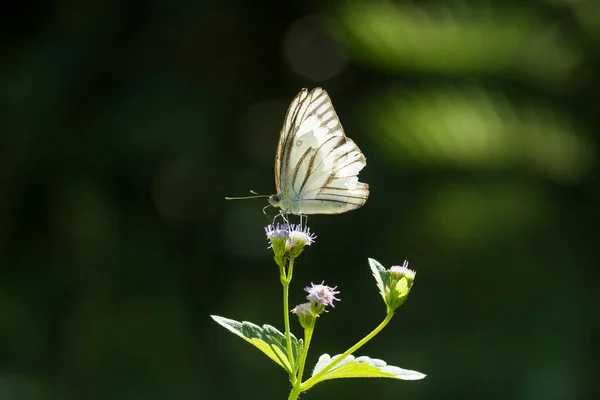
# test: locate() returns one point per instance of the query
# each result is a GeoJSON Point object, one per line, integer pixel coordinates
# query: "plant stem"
{"type": "Point", "coordinates": [294, 393]}
{"type": "Point", "coordinates": [297, 386]}
{"type": "Point", "coordinates": [315, 379]}
{"type": "Point", "coordinates": [307, 338]}
{"type": "Point", "coordinates": [285, 281]}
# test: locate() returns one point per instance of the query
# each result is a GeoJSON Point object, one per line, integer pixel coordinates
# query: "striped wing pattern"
{"type": "Point", "coordinates": [316, 165]}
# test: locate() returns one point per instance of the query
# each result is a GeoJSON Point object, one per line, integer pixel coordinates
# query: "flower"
{"type": "Point", "coordinates": [302, 309]}
{"type": "Point", "coordinates": [400, 282]}
{"type": "Point", "coordinates": [298, 238]}
{"type": "Point", "coordinates": [394, 284]}
{"type": "Point", "coordinates": [278, 237]}
{"type": "Point", "coordinates": [321, 295]}
{"type": "Point", "coordinates": [301, 236]}
{"type": "Point", "coordinates": [278, 231]}
{"type": "Point", "coordinates": [305, 314]}
{"type": "Point", "coordinates": [398, 272]}
{"type": "Point", "coordinates": [288, 239]}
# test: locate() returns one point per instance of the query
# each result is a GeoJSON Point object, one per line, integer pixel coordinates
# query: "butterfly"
{"type": "Point", "coordinates": [316, 165]}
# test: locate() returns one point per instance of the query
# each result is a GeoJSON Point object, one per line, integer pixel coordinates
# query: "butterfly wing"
{"type": "Point", "coordinates": [316, 165]}
{"type": "Point", "coordinates": [289, 125]}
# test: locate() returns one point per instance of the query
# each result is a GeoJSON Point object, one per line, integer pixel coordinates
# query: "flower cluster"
{"type": "Point", "coordinates": [288, 240]}
{"type": "Point", "coordinates": [319, 296]}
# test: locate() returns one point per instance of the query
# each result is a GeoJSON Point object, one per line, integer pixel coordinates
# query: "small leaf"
{"type": "Point", "coordinates": [382, 276]}
{"type": "Point", "coordinates": [363, 367]}
{"type": "Point", "coordinates": [266, 338]}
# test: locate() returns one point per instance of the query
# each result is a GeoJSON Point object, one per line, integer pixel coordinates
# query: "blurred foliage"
{"type": "Point", "coordinates": [124, 124]}
{"type": "Point", "coordinates": [478, 129]}
{"type": "Point", "coordinates": [459, 38]}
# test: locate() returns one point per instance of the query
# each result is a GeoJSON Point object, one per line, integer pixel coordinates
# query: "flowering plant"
{"type": "Point", "coordinates": [288, 242]}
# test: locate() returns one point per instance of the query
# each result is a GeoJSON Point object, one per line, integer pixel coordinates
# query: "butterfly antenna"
{"type": "Point", "coordinates": [254, 196]}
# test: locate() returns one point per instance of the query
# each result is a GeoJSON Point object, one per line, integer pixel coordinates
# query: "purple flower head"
{"type": "Point", "coordinates": [278, 237]}
{"type": "Point", "coordinates": [299, 236]}
{"type": "Point", "coordinates": [278, 231]}
{"type": "Point", "coordinates": [288, 240]}
{"type": "Point", "coordinates": [321, 294]}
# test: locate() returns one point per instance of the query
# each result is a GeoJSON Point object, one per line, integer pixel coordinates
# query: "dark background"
{"type": "Point", "coordinates": [124, 124]}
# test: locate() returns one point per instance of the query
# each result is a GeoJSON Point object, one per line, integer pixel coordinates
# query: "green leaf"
{"type": "Point", "coordinates": [363, 367]}
{"type": "Point", "coordinates": [266, 338]}
{"type": "Point", "coordinates": [382, 276]}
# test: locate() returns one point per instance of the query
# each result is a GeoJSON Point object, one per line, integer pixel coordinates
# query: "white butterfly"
{"type": "Point", "coordinates": [316, 165]}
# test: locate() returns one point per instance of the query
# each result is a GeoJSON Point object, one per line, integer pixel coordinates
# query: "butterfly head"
{"type": "Point", "coordinates": [275, 200]}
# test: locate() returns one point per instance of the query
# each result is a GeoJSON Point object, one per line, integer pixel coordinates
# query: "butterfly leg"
{"type": "Point", "coordinates": [275, 218]}
{"type": "Point", "coordinates": [283, 216]}
{"type": "Point", "coordinates": [265, 213]}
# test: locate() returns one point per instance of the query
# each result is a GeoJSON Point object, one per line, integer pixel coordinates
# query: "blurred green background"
{"type": "Point", "coordinates": [124, 124]}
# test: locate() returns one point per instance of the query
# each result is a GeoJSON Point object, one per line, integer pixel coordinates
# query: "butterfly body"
{"type": "Point", "coordinates": [316, 165]}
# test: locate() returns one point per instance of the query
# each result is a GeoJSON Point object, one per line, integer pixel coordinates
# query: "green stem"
{"type": "Point", "coordinates": [315, 379]}
{"type": "Point", "coordinates": [297, 389]}
{"type": "Point", "coordinates": [294, 393]}
{"type": "Point", "coordinates": [285, 281]}
{"type": "Point", "coordinates": [307, 338]}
